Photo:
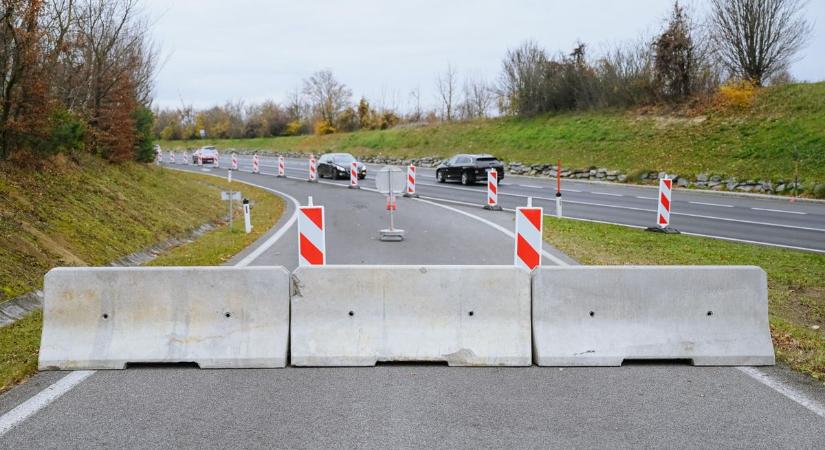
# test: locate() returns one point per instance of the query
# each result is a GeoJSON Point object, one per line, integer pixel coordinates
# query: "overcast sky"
{"type": "Point", "coordinates": [218, 50]}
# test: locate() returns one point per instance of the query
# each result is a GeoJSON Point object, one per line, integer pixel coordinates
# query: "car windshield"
{"type": "Point", "coordinates": [343, 159]}
{"type": "Point", "coordinates": [486, 158]}
{"type": "Point", "coordinates": [209, 151]}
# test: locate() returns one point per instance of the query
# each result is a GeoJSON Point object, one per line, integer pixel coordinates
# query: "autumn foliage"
{"type": "Point", "coordinates": [77, 75]}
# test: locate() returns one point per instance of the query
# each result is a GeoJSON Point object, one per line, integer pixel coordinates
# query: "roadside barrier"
{"type": "Point", "coordinates": [185, 157]}
{"type": "Point", "coordinates": [359, 315]}
{"type": "Point", "coordinates": [410, 190]}
{"type": "Point", "coordinates": [217, 317]}
{"type": "Point", "coordinates": [216, 161]}
{"type": "Point", "coordinates": [256, 168]}
{"type": "Point", "coordinates": [234, 161]}
{"type": "Point", "coordinates": [171, 157]}
{"type": "Point", "coordinates": [492, 191]}
{"type": "Point", "coordinates": [313, 170]}
{"type": "Point", "coordinates": [353, 175]}
{"type": "Point", "coordinates": [281, 167]}
{"type": "Point", "coordinates": [602, 316]}
{"type": "Point", "coordinates": [312, 250]}
{"type": "Point", "coordinates": [529, 227]}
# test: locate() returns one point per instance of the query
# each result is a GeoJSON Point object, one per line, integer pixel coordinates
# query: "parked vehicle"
{"type": "Point", "coordinates": [468, 168]}
{"type": "Point", "coordinates": [208, 155]}
{"type": "Point", "coordinates": [337, 165]}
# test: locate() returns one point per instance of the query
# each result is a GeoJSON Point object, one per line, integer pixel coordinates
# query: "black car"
{"type": "Point", "coordinates": [468, 168]}
{"type": "Point", "coordinates": [337, 165]}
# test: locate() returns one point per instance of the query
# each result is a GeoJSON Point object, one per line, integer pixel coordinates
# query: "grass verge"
{"type": "Point", "coordinates": [20, 342]}
{"type": "Point", "coordinates": [796, 286]}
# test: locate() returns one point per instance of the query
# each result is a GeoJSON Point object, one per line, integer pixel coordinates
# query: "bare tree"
{"type": "Point", "coordinates": [446, 84]}
{"type": "Point", "coordinates": [478, 98]}
{"type": "Point", "coordinates": [522, 80]}
{"type": "Point", "coordinates": [327, 95]}
{"type": "Point", "coordinates": [415, 98]}
{"type": "Point", "coordinates": [756, 39]}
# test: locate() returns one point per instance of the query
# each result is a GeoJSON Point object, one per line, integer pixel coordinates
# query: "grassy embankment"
{"type": "Point", "coordinates": [796, 286]}
{"type": "Point", "coordinates": [754, 143]}
{"type": "Point", "coordinates": [67, 215]}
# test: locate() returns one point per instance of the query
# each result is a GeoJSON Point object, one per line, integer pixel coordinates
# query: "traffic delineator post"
{"type": "Point", "coordinates": [185, 157]}
{"type": "Point", "coordinates": [158, 157]}
{"type": "Point", "coordinates": [663, 211]}
{"type": "Point", "coordinates": [200, 160]}
{"type": "Point", "coordinates": [171, 157]}
{"type": "Point", "coordinates": [256, 164]}
{"type": "Point", "coordinates": [353, 175]}
{"type": "Point", "coordinates": [281, 167]}
{"type": "Point", "coordinates": [216, 161]}
{"type": "Point", "coordinates": [558, 190]}
{"type": "Point", "coordinates": [409, 191]}
{"type": "Point", "coordinates": [313, 170]}
{"type": "Point", "coordinates": [234, 161]}
{"type": "Point", "coordinates": [492, 191]}
{"type": "Point", "coordinates": [311, 236]}
{"type": "Point", "coordinates": [529, 227]}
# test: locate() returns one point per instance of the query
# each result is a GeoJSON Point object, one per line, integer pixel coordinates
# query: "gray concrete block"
{"type": "Point", "coordinates": [217, 317]}
{"type": "Point", "coordinates": [359, 315]}
{"type": "Point", "coordinates": [601, 316]}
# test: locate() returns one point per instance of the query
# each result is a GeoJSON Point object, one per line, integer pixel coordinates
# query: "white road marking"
{"type": "Point", "coordinates": [786, 390]}
{"type": "Point", "coordinates": [646, 198]}
{"type": "Point", "coordinates": [45, 397]}
{"type": "Point", "coordinates": [531, 186]}
{"type": "Point", "coordinates": [41, 400]}
{"type": "Point", "coordinates": [712, 204]}
{"type": "Point", "coordinates": [570, 190]}
{"type": "Point", "coordinates": [780, 211]}
{"type": "Point", "coordinates": [607, 193]}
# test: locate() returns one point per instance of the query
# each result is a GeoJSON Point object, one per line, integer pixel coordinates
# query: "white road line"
{"type": "Point", "coordinates": [780, 211]}
{"type": "Point", "coordinates": [531, 186]}
{"type": "Point", "coordinates": [607, 193]}
{"type": "Point", "coordinates": [786, 390]}
{"type": "Point", "coordinates": [712, 204]}
{"type": "Point", "coordinates": [45, 397]}
{"type": "Point", "coordinates": [646, 198]}
{"type": "Point", "coordinates": [570, 190]}
{"type": "Point", "coordinates": [42, 399]}
{"type": "Point", "coordinates": [558, 261]}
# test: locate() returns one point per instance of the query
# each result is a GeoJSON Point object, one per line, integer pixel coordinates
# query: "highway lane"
{"type": "Point", "coordinates": [652, 405]}
{"type": "Point", "coordinates": [772, 221]}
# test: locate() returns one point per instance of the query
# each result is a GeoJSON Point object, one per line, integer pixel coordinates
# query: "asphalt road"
{"type": "Point", "coordinates": [651, 405]}
{"type": "Point", "coordinates": [772, 221]}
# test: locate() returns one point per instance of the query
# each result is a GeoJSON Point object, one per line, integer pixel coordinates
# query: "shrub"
{"type": "Point", "coordinates": [294, 128]}
{"type": "Point", "coordinates": [819, 191]}
{"type": "Point", "coordinates": [323, 127]}
{"type": "Point", "coordinates": [738, 95]}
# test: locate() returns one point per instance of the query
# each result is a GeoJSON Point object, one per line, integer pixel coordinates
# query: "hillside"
{"type": "Point", "coordinates": [755, 142]}
{"type": "Point", "coordinates": [89, 212]}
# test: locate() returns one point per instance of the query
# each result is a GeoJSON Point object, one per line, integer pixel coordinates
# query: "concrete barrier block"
{"type": "Point", "coordinates": [217, 317]}
{"type": "Point", "coordinates": [601, 316]}
{"type": "Point", "coordinates": [359, 315]}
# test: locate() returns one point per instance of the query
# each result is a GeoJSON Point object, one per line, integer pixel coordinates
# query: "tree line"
{"type": "Point", "coordinates": [76, 76]}
{"type": "Point", "coordinates": [751, 42]}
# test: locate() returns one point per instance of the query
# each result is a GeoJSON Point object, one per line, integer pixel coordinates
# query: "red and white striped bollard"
{"type": "Point", "coordinates": [410, 190]}
{"type": "Point", "coordinates": [353, 175]}
{"type": "Point", "coordinates": [313, 170]}
{"type": "Point", "coordinates": [281, 167]}
{"type": "Point", "coordinates": [234, 161]}
{"type": "Point", "coordinates": [492, 191]}
{"type": "Point", "coordinates": [256, 168]}
{"type": "Point", "coordinates": [529, 227]}
{"type": "Point", "coordinates": [663, 211]}
{"type": "Point", "coordinates": [311, 236]}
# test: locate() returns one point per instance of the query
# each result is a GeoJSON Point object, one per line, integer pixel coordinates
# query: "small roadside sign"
{"type": "Point", "coordinates": [226, 195]}
{"type": "Point", "coordinates": [390, 180]}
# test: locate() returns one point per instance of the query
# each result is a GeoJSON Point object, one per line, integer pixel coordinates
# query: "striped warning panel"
{"type": "Point", "coordinates": [311, 236]}
{"type": "Point", "coordinates": [529, 228]}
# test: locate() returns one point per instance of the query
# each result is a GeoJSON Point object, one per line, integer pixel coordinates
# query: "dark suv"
{"type": "Point", "coordinates": [468, 168]}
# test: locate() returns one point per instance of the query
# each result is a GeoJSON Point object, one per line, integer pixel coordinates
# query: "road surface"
{"type": "Point", "coordinates": [771, 221]}
{"type": "Point", "coordinates": [405, 406]}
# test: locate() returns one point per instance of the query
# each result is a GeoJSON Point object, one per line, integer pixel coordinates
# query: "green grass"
{"type": "Point", "coordinates": [751, 144]}
{"type": "Point", "coordinates": [173, 202]}
{"type": "Point", "coordinates": [795, 279]}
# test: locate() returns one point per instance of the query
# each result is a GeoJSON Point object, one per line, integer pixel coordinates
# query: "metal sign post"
{"type": "Point", "coordinates": [390, 181]}
{"type": "Point", "coordinates": [230, 197]}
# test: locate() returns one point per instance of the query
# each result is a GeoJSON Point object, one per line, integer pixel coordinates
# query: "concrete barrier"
{"type": "Point", "coordinates": [217, 317]}
{"type": "Point", "coordinates": [359, 315]}
{"type": "Point", "coordinates": [601, 316]}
